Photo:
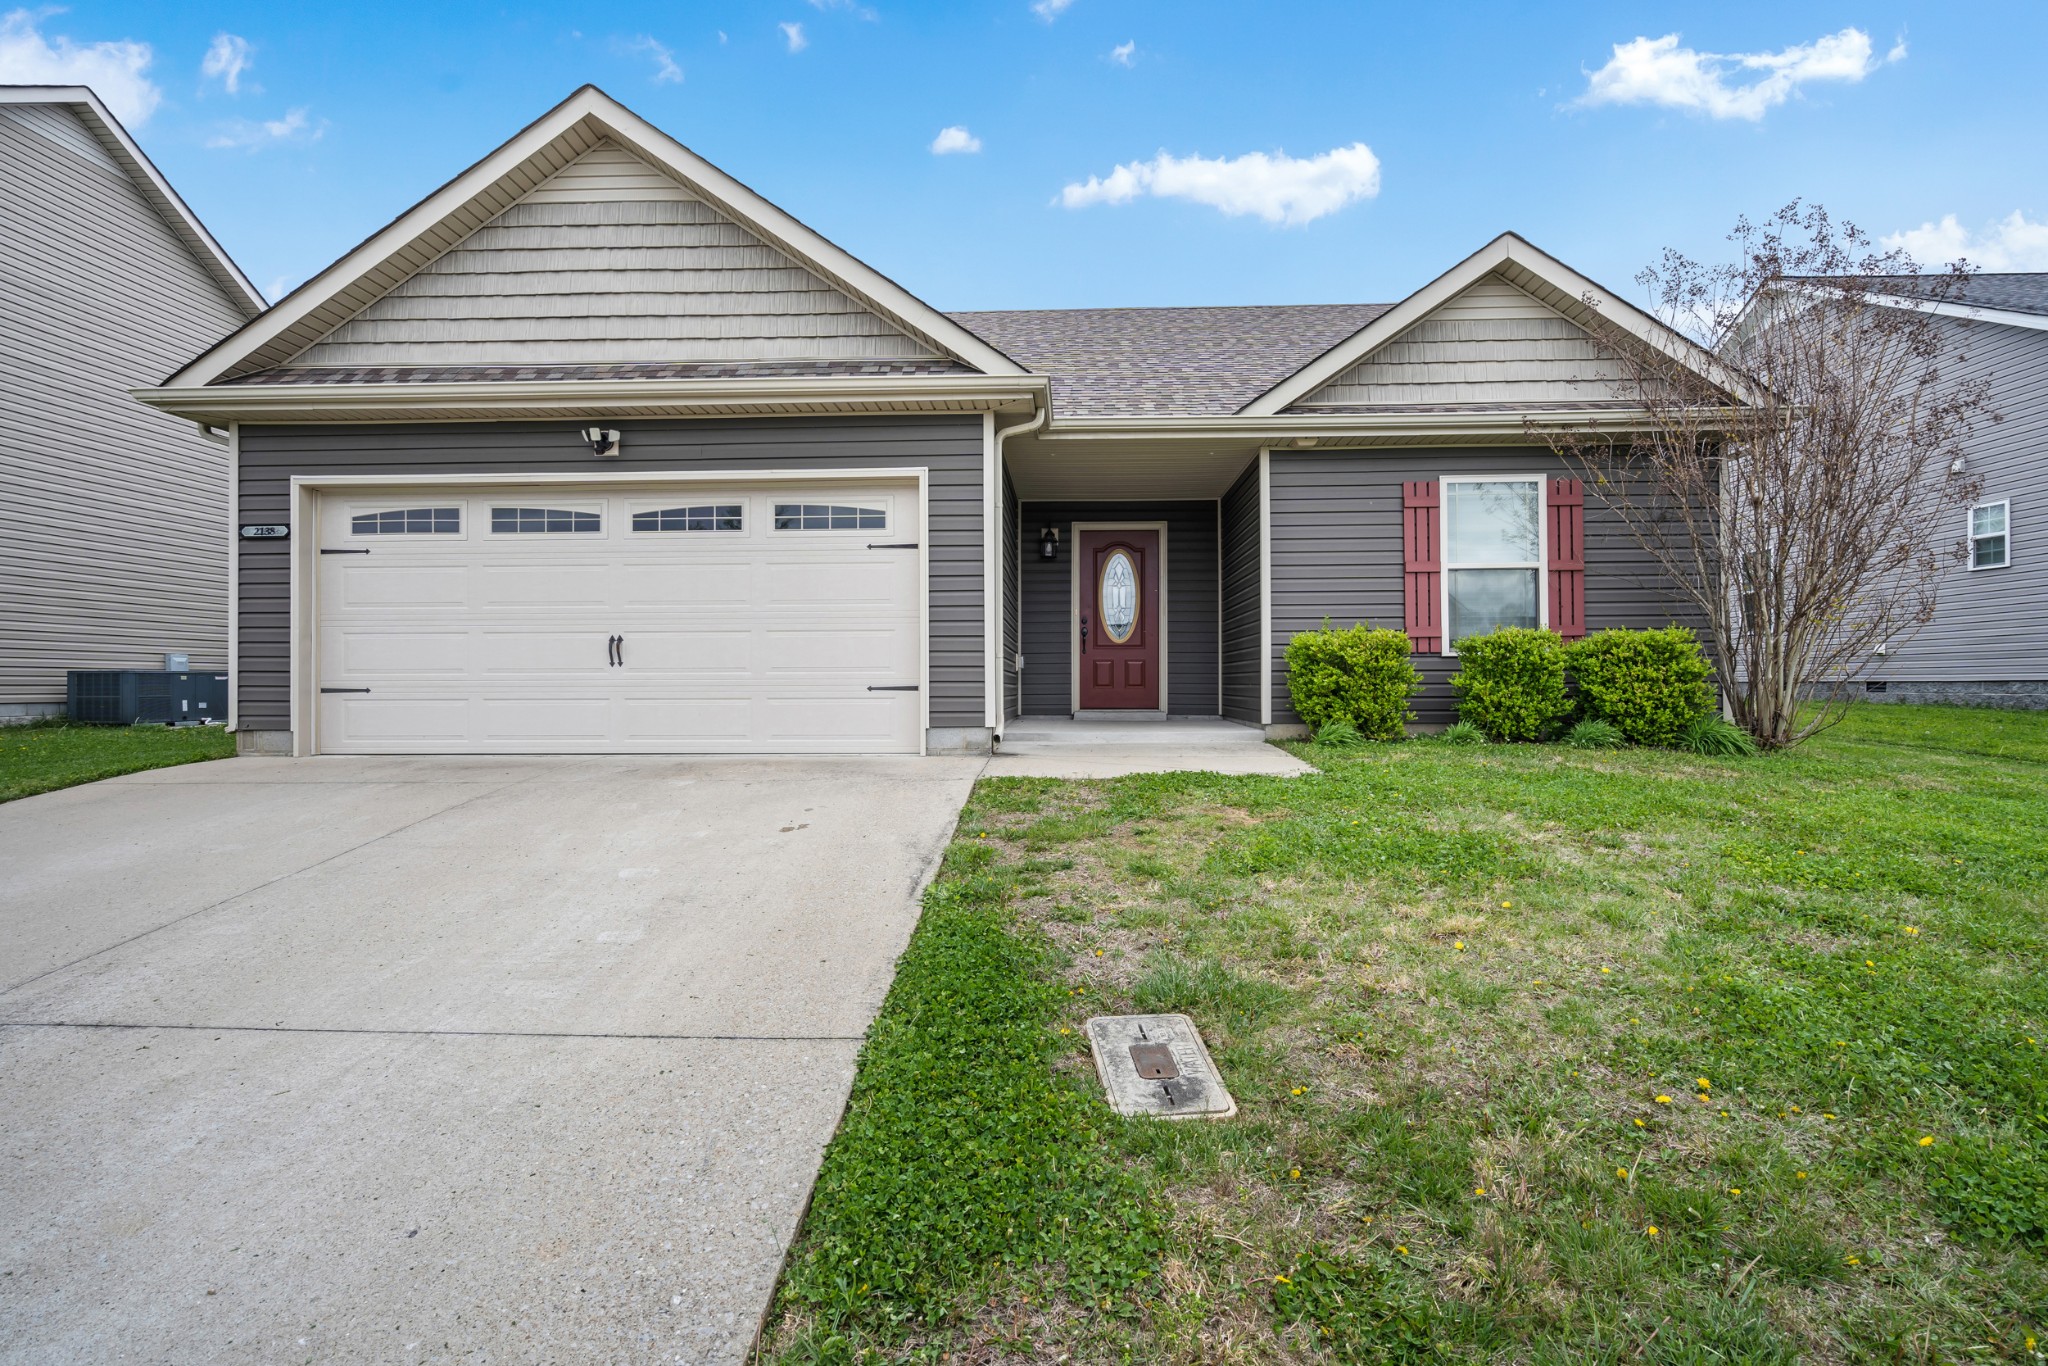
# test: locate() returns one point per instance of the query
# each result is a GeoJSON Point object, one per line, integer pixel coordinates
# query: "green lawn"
{"type": "Point", "coordinates": [1541, 1055]}
{"type": "Point", "coordinates": [48, 755]}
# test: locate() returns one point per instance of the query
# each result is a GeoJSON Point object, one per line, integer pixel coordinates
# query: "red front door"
{"type": "Point", "coordinates": [1119, 625]}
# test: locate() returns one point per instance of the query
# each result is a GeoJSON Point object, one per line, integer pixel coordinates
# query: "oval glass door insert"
{"type": "Point", "coordinates": [1119, 593]}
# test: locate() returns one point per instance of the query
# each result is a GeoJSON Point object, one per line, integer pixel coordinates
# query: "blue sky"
{"type": "Point", "coordinates": [1272, 153]}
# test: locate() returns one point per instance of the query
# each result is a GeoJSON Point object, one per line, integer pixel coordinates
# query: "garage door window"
{"type": "Point", "coordinates": [829, 517]}
{"type": "Point", "coordinates": [708, 517]}
{"type": "Point", "coordinates": [408, 522]}
{"type": "Point", "coordinates": [542, 521]}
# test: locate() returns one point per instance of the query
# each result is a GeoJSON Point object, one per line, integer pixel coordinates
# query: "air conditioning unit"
{"type": "Point", "coordinates": [145, 697]}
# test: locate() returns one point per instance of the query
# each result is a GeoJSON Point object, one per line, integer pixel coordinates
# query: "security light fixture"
{"type": "Point", "coordinates": [1049, 543]}
{"type": "Point", "coordinates": [602, 441]}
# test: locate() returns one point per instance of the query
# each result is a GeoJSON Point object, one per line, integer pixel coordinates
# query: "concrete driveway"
{"type": "Point", "coordinates": [435, 1059]}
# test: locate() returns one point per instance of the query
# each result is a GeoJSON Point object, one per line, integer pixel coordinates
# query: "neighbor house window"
{"type": "Point", "coordinates": [408, 522]}
{"type": "Point", "coordinates": [539, 520]}
{"type": "Point", "coordinates": [1493, 555]}
{"type": "Point", "coordinates": [1990, 539]}
{"type": "Point", "coordinates": [828, 517]}
{"type": "Point", "coordinates": [708, 517]}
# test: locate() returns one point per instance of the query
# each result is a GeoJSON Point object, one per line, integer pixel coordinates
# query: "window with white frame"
{"type": "Point", "coordinates": [1990, 535]}
{"type": "Point", "coordinates": [1492, 555]}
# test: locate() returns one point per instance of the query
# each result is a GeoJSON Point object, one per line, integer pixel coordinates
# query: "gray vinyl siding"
{"type": "Point", "coordinates": [1336, 527]}
{"type": "Point", "coordinates": [1191, 602]}
{"type": "Point", "coordinates": [1008, 548]}
{"type": "Point", "coordinates": [113, 517]}
{"type": "Point", "coordinates": [1490, 344]}
{"type": "Point", "coordinates": [1991, 625]}
{"type": "Point", "coordinates": [1242, 607]}
{"type": "Point", "coordinates": [949, 447]}
{"type": "Point", "coordinates": [610, 260]}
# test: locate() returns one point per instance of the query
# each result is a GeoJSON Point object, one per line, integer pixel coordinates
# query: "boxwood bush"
{"type": "Point", "coordinates": [1359, 675]}
{"type": "Point", "coordinates": [1650, 685]}
{"type": "Point", "coordinates": [1510, 683]}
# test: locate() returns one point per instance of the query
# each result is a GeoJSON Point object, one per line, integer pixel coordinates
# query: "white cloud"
{"type": "Point", "coordinates": [666, 72]}
{"type": "Point", "coordinates": [1659, 71]}
{"type": "Point", "coordinates": [227, 59]}
{"type": "Point", "coordinates": [1050, 10]}
{"type": "Point", "coordinates": [954, 139]}
{"type": "Point", "coordinates": [255, 134]}
{"type": "Point", "coordinates": [113, 69]}
{"type": "Point", "coordinates": [1123, 54]}
{"type": "Point", "coordinates": [1277, 188]}
{"type": "Point", "coordinates": [794, 34]}
{"type": "Point", "coordinates": [2011, 243]}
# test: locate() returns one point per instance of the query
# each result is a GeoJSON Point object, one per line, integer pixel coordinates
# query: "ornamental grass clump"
{"type": "Point", "coordinates": [1510, 683]}
{"type": "Point", "coordinates": [1650, 685]}
{"type": "Point", "coordinates": [1359, 675]}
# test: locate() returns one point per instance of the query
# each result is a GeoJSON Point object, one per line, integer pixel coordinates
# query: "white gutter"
{"type": "Point", "coordinates": [1313, 428]}
{"type": "Point", "coordinates": [221, 404]}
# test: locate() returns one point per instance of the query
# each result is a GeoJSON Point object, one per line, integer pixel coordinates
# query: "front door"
{"type": "Point", "coordinates": [1119, 626]}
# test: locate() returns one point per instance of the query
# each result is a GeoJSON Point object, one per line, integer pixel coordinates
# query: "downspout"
{"type": "Point", "coordinates": [998, 645]}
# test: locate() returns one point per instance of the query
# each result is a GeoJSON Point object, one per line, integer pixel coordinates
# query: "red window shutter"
{"type": "Point", "coordinates": [1568, 558]}
{"type": "Point", "coordinates": [1422, 564]}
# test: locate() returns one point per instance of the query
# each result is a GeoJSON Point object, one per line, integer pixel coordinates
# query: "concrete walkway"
{"type": "Point", "coordinates": [433, 1059]}
{"type": "Point", "coordinates": [1060, 747]}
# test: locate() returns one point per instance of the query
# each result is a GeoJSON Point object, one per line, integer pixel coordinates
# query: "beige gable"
{"type": "Point", "coordinates": [1490, 344]}
{"type": "Point", "coordinates": [610, 260]}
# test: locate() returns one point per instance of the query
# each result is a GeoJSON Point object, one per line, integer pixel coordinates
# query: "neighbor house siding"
{"type": "Point", "coordinates": [1242, 529]}
{"type": "Point", "coordinates": [610, 260]}
{"type": "Point", "coordinates": [1048, 614]}
{"type": "Point", "coordinates": [1336, 527]}
{"type": "Point", "coordinates": [1991, 625]}
{"type": "Point", "coordinates": [949, 447]}
{"type": "Point", "coordinates": [1491, 343]}
{"type": "Point", "coordinates": [113, 517]}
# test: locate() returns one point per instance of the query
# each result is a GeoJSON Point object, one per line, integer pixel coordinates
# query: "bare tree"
{"type": "Point", "coordinates": [1796, 472]}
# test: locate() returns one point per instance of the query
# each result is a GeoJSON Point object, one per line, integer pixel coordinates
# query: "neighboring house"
{"type": "Point", "coordinates": [1987, 645]}
{"type": "Point", "coordinates": [596, 450]}
{"type": "Point", "coordinates": [113, 518]}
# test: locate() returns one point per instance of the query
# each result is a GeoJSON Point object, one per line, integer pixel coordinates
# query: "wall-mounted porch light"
{"type": "Point", "coordinates": [1049, 543]}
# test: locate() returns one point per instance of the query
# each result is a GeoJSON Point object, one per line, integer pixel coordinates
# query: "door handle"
{"type": "Point", "coordinates": [611, 652]}
{"type": "Point", "coordinates": [1084, 633]}
{"type": "Point", "coordinates": [621, 650]}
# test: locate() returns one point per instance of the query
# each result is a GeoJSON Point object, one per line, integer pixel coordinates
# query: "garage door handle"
{"type": "Point", "coordinates": [611, 652]}
{"type": "Point", "coordinates": [892, 687]}
{"type": "Point", "coordinates": [621, 650]}
{"type": "Point", "coordinates": [344, 690]}
{"type": "Point", "coordinates": [892, 545]}
{"type": "Point", "coordinates": [344, 552]}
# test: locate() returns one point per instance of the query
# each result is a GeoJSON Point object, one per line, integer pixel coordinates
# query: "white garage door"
{"type": "Point", "coordinates": [663, 619]}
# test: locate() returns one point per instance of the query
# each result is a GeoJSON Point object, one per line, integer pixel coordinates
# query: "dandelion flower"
{"type": "Point", "coordinates": [1401, 1249]}
{"type": "Point", "coordinates": [1927, 1141]}
{"type": "Point", "coordinates": [1282, 1280]}
{"type": "Point", "coordinates": [1459, 945]}
{"type": "Point", "coordinates": [1641, 1125]}
{"type": "Point", "coordinates": [1294, 1174]}
{"type": "Point", "coordinates": [1800, 1175]}
{"type": "Point", "coordinates": [1826, 1115]}
{"type": "Point", "coordinates": [1704, 1084]}
{"type": "Point", "coordinates": [1663, 1100]}
{"type": "Point", "coordinates": [1868, 964]}
{"type": "Point", "coordinates": [1607, 969]}
{"type": "Point", "coordinates": [1621, 1172]}
{"type": "Point", "coordinates": [1299, 1089]}
{"type": "Point", "coordinates": [1735, 1190]}
{"type": "Point", "coordinates": [1651, 1230]}
{"type": "Point", "coordinates": [1912, 929]}
{"type": "Point", "coordinates": [1854, 1261]}
{"type": "Point", "coordinates": [1507, 905]}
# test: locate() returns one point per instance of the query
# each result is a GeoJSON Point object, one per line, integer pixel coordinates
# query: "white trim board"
{"type": "Point", "coordinates": [505, 175]}
{"type": "Point", "coordinates": [1265, 587]}
{"type": "Point", "coordinates": [304, 518]}
{"type": "Point", "coordinates": [1074, 612]}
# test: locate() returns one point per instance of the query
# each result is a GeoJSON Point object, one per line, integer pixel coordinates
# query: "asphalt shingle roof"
{"type": "Point", "coordinates": [2019, 293]}
{"type": "Point", "coordinates": [1183, 362]}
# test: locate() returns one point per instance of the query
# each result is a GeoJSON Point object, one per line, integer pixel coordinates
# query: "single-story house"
{"type": "Point", "coordinates": [113, 518]}
{"type": "Point", "coordinates": [1987, 645]}
{"type": "Point", "coordinates": [594, 449]}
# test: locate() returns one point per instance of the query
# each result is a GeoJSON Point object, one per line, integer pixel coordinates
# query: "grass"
{"type": "Point", "coordinates": [1542, 1055]}
{"type": "Point", "coordinates": [46, 755]}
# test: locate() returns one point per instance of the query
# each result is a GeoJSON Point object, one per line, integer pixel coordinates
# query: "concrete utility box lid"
{"type": "Point", "coordinates": [1157, 1065]}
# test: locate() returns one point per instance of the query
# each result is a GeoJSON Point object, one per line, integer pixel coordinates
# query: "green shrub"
{"type": "Point", "coordinates": [1510, 683]}
{"type": "Point", "coordinates": [1358, 675]}
{"type": "Point", "coordinates": [1339, 735]}
{"type": "Point", "coordinates": [1461, 733]}
{"type": "Point", "coordinates": [1594, 734]}
{"type": "Point", "coordinates": [1650, 684]}
{"type": "Point", "coordinates": [1717, 738]}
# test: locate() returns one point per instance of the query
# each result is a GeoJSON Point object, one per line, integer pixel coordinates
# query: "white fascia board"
{"type": "Point", "coordinates": [622, 124]}
{"type": "Point", "coordinates": [1508, 249]}
{"type": "Point", "coordinates": [168, 203]}
{"type": "Point", "coordinates": [1336, 427]}
{"type": "Point", "coordinates": [2004, 317]}
{"type": "Point", "coordinates": [608, 398]}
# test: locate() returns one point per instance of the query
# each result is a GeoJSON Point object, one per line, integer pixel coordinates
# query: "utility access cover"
{"type": "Point", "coordinates": [1157, 1065]}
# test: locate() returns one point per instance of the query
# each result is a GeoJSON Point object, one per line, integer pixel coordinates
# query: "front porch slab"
{"type": "Point", "coordinates": [1062, 747]}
